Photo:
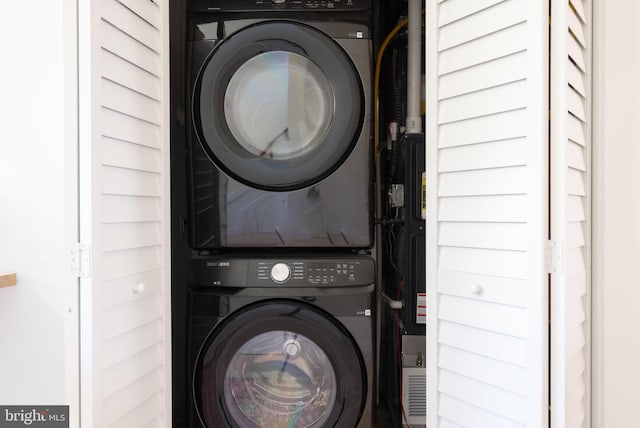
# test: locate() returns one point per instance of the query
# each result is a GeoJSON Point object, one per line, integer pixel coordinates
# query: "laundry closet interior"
{"type": "Point", "coordinates": [298, 285]}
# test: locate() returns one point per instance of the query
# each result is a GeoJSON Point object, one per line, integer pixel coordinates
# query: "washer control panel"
{"type": "Point", "coordinates": [292, 273]}
{"type": "Point", "coordinates": [267, 5]}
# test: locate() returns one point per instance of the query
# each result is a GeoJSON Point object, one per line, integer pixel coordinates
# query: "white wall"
{"type": "Point", "coordinates": [32, 200]}
{"type": "Point", "coordinates": [616, 297]}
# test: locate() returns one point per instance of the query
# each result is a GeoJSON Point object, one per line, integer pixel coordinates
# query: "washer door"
{"type": "Point", "coordinates": [278, 364]}
{"type": "Point", "coordinates": [278, 105]}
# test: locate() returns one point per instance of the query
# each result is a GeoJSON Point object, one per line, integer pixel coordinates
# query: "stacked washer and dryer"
{"type": "Point", "coordinates": [280, 281]}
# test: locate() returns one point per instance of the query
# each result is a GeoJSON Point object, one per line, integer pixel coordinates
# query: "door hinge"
{"type": "Point", "coordinates": [80, 260]}
{"type": "Point", "coordinates": [554, 257]}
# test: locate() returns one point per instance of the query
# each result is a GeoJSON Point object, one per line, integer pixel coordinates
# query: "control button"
{"type": "Point", "coordinates": [280, 272]}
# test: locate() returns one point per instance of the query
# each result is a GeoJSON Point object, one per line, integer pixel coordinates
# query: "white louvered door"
{"type": "Point", "coordinates": [124, 218]}
{"type": "Point", "coordinates": [487, 213]}
{"type": "Point", "coordinates": [570, 218]}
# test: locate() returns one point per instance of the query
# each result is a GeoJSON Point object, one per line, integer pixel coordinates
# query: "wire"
{"type": "Point", "coordinates": [376, 82]}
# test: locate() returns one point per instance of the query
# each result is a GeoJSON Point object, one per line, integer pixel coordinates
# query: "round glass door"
{"type": "Point", "coordinates": [278, 105]}
{"type": "Point", "coordinates": [279, 363]}
{"type": "Point", "coordinates": [280, 379]}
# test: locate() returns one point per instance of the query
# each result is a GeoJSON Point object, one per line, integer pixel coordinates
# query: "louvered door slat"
{"type": "Point", "coordinates": [483, 342]}
{"type": "Point", "coordinates": [495, 154]}
{"type": "Point", "coordinates": [576, 27]}
{"type": "Point", "coordinates": [575, 234]}
{"type": "Point", "coordinates": [570, 197]}
{"type": "Point", "coordinates": [488, 47]}
{"type": "Point", "coordinates": [472, 416]}
{"type": "Point", "coordinates": [498, 318]}
{"type": "Point", "coordinates": [118, 406]}
{"type": "Point", "coordinates": [576, 104]}
{"type": "Point", "coordinates": [576, 185]}
{"type": "Point", "coordinates": [507, 264]}
{"type": "Point", "coordinates": [118, 15]}
{"type": "Point", "coordinates": [134, 368]}
{"type": "Point", "coordinates": [494, 181]}
{"type": "Point", "coordinates": [126, 236]}
{"type": "Point", "coordinates": [481, 23]}
{"type": "Point", "coordinates": [578, 7]}
{"type": "Point", "coordinates": [125, 346]}
{"type": "Point", "coordinates": [575, 53]}
{"type": "Point", "coordinates": [575, 209]}
{"type": "Point", "coordinates": [506, 236]}
{"type": "Point", "coordinates": [495, 127]}
{"type": "Point", "coordinates": [122, 208]}
{"type": "Point", "coordinates": [575, 130]}
{"type": "Point", "coordinates": [485, 162]}
{"type": "Point", "coordinates": [130, 49]}
{"type": "Point", "coordinates": [130, 262]}
{"type": "Point", "coordinates": [124, 97]}
{"type": "Point", "coordinates": [132, 315]}
{"type": "Point", "coordinates": [119, 98]}
{"type": "Point", "coordinates": [509, 208]}
{"type": "Point", "coordinates": [483, 369]}
{"type": "Point", "coordinates": [482, 103]}
{"type": "Point", "coordinates": [123, 154]}
{"type": "Point", "coordinates": [496, 400]}
{"type": "Point", "coordinates": [576, 78]}
{"type": "Point", "coordinates": [143, 414]}
{"type": "Point", "coordinates": [446, 423]}
{"type": "Point", "coordinates": [485, 75]}
{"type": "Point", "coordinates": [455, 10]}
{"type": "Point", "coordinates": [575, 156]}
{"type": "Point", "coordinates": [122, 181]}
{"type": "Point", "coordinates": [145, 9]}
{"type": "Point", "coordinates": [117, 69]}
{"type": "Point", "coordinates": [119, 126]}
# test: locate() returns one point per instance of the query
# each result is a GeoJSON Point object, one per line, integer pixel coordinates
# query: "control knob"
{"type": "Point", "coordinates": [277, 1]}
{"type": "Point", "coordinates": [280, 273]}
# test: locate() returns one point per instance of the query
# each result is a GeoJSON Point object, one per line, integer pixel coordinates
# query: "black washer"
{"type": "Point", "coordinates": [280, 362]}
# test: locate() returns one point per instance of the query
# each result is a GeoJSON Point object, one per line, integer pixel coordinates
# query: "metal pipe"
{"type": "Point", "coordinates": [414, 67]}
{"type": "Point", "coordinates": [392, 303]}
{"type": "Point", "coordinates": [378, 250]}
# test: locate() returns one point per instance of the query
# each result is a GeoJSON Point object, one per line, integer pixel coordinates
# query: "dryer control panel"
{"type": "Point", "coordinates": [289, 273]}
{"type": "Point", "coordinates": [275, 5]}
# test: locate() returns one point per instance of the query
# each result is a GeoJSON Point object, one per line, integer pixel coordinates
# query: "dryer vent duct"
{"type": "Point", "coordinates": [414, 120]}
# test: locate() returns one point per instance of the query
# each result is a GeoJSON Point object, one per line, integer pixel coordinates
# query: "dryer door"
{"type": "Point", "coordinates": [278, 105]}
{"type": "Point", "coordinates": [280, 363]}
